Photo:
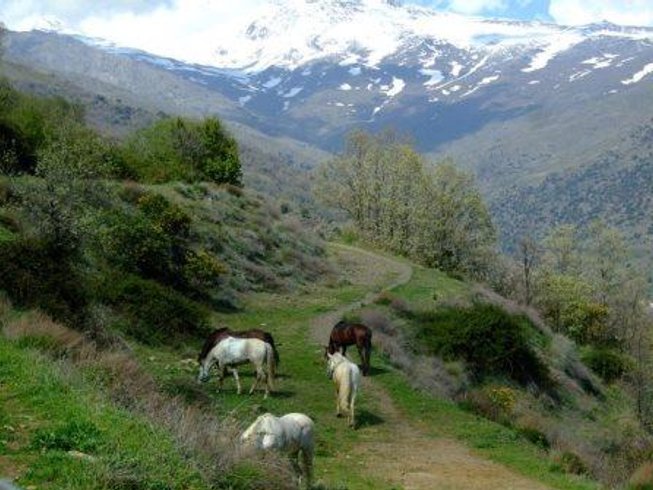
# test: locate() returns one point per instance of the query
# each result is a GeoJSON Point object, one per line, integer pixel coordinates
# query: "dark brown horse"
{"type": "Point", "coordinates": [224, 332]}
{"type": "Point", "coordinates": [344, 334]}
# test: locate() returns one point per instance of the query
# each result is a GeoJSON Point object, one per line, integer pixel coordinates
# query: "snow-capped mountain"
{"type": "Point", "coordinates": [516, 102]}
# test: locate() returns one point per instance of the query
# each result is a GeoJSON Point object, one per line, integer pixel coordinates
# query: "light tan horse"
{"type": "Point", "coordinates": [347, 378]}
{"type": "Point", "coordinates": [293, 434]}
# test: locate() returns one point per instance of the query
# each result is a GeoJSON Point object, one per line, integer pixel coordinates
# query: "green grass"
{"type": "Point", "coordinates": [47, 401]}
{"type": "Point", "coordinates": [303, 386]}
{"type": "Point", "coordinates": [46, 412]}
{"type": "Point", "coordinates": [428, 285]}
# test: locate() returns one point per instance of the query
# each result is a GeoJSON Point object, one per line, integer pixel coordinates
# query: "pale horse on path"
{"type": "Point", "coordinates": [292, 433]}
{"type": "Point", "coordinates": [347, 378]}
{"type": "Point", "coordinates": [231, 352]}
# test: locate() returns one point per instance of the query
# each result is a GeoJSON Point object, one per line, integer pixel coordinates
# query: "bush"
{"type": "Point", "coordinates": [39, 273]}
{"type": "Point", "coordinates": [607, 363]}
{"type": "Point", "coordinates": [134, 244]}
{"type": "Point", "coordinates": [642, 478]}
{"type": "Point", "coordinates": [153, 313]}
{"type": "Point", "coordinates": [489, 339]}
{"type": "Point", "coordinates": [568, 462]}
{"type": "Point", "coordinates": [169, 217]}
{"type": "Point", "coordinates": [177, 149]}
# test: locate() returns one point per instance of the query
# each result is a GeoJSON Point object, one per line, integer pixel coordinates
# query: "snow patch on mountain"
{"type": "Point", "coordinates": [292, 92]}
{"type": "Point", "coordinates": [272, 82]}
{"type": "Point", "coordinates": [554, 47]}
{"type": "Point", "coordinates": [599, 62]}
{"type": "Point", "coordinates": [395, 88]}
{"type": "Point", "coordinates": [435, 76]}
{"type": "Point", "coordinates": [637, 77]}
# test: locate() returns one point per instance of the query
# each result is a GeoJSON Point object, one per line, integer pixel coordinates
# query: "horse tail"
{"type": "Point", "coordinates": [271, 364]}
{"type": "Point", "coordinates": [267, 337]}
{"type": "Point", "coordinates": [353, 383]}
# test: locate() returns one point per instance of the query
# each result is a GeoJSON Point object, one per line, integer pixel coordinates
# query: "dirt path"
{"type": "Point", "coordinates": [401, 452]}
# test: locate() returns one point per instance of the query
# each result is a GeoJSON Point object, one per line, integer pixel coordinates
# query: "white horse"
{"type": "Point", "coordinates": [292, 434]}
{"type": "Point", "coordinates": [347, 378]}
{"type": "Point", "coordinates": [231, 352]}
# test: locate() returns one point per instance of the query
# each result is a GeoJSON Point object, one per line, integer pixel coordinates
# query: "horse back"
{"type": "Point", "coordinates": [234, 350]}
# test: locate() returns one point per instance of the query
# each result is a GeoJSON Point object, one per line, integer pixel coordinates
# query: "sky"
{"type": "Point", "coordinates": [17, 14]}
{"type": "Point", "coordinates": [157, 26]}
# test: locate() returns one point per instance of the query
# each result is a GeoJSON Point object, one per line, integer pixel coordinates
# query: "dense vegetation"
{"type": "Point", "coordinates": [96, 251]}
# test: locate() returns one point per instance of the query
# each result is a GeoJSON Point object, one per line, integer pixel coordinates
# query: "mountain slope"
{"type": "Point", "coordinates": [515, 102]}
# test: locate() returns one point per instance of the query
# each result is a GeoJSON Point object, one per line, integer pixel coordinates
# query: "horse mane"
{"type": "Point", "coordinates": [211, 341]}
{"type": "Point", "coordinates": [341, 324]}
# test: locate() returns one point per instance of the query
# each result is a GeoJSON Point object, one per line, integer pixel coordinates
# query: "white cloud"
{"type": "Point", "coordinates": [476, 6]}
{"type": "Point", "coordinates": [183, 29]}
{"type": "Point", "coordinates": [623, 12]}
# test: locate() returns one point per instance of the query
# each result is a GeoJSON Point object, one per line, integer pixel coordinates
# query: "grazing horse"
{"type": "Point", "coordinates": [344, 334]}
{"type": "Point", "coordinates": [347, 378]}
{"type": "Point", "coordinates": [224, 332]}
{"type": "Point", "coordinates": [231, 352]}
{"type": "Point", "coordinates": [292, 434]}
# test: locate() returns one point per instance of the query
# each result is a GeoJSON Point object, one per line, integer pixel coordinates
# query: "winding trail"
{"type": "Point", "coordinates": [400, 451]}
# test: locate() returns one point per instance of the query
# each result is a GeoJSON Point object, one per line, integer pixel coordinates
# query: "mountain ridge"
{"type": "Point", "coordinates": [513, 110]}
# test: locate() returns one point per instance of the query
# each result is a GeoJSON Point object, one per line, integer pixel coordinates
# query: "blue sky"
{"type": "Point", "coordinates": [511, 9]}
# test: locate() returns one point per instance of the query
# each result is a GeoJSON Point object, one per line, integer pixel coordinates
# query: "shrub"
{"type": "Point", "coordinates": [534, 435]}
{"type": "Point", "coordinates": [203, 270]}
{"type": "Point", "coordinates": [642, 478]}
{"type": "Point", "coordinates": [134, 244]}
{"type": "Point", "coordinates": [607, 363]}
{"type": "Point", "coordinates": [489, 339]}
{"type": "Point", "coordinates": [39, 273]}
{"type": "Point", "coordinates": [153, 313]}
{"type": "Point", "coordinates": [184, 150]}
{"type": "Point", "coordinates": [568, 462]}
{"type": "Point", "coordinates": [169, 217]}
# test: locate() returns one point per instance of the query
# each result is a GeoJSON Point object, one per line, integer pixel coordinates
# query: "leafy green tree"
{"type": "Point", "coordinates": [454, 230]}
{"type": "Point", "coordinates": [184, 150]}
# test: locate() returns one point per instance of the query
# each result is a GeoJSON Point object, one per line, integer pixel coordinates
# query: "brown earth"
{"type": "Point", "coordinates": [400, 451]}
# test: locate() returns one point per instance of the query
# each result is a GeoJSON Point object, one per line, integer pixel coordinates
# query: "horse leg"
{"type": "Point", "coordinates": [259, 373]}
{"type": "Point", "coordinates": [307, 460]}
{"type": "Point", "coordinates": [294, 462]}
{"type": "Point", "coordinates": [338, 403]}
{"type": "Point", "coordinates": [238, 386]}
{"type": "Point", "coordinates": [221, 373]}
{"type": "Point", "coordinates": [352, 417]}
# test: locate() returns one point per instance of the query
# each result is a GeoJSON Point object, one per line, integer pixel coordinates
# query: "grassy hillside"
{"type": "Point", "coordinates": [275, 166]}
{"type": "Point", "coordinates": [302, 385]}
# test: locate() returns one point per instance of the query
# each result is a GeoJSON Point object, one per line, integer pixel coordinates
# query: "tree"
{"type": "Point", "coordinates": [181, 149]}
{"type": "Point", "coordinates": [437, 217]}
